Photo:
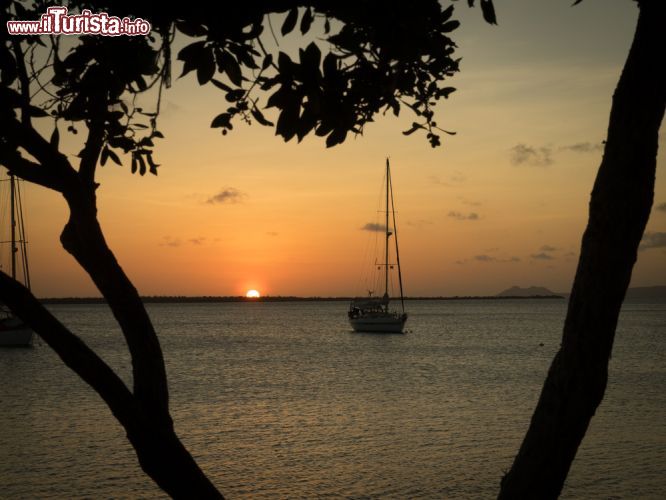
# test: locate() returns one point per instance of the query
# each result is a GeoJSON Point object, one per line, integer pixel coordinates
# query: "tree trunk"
{"type": "Point", "coordinates": [619, 209]}
{"type": "Point", "coordinates": [146, 420]}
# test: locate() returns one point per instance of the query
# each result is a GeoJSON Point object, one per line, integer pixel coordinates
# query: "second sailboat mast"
{"type": "Point", "coordinates": [388, 234]}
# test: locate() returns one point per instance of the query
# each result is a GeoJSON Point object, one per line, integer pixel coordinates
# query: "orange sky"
{"type": "Point", "coordinates": [502, 203]}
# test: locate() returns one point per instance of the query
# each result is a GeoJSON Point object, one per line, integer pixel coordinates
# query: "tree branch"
{"type": "Point", "coordinates": [91, 151]}
{"type": "Point", "coordinates": [71, 349]}
{"type": "Point", "coordinates": [55, 163]}
{"type": "Point", "coordinates": [82, 237]}
{"type": "Point", "coordinates": [28, 170]}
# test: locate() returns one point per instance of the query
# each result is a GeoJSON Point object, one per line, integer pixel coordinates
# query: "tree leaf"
{"type": "Point", "coordinates": [446, 14]}
{"type": "Point", "coordinates": [290, 21]}
{"type": "Point", "coordinates": [206, 67]}
{"type": "Point", "coordinates": [153, 165]}
{"type": "Point", "coordinates": [191, 55]}
{"type": "Point", "coordinates": [221, 85]}
{"type": "Point", "coordinates": [142, 164]}
{"type": "Point", "coordinates": [232, 68]}
{"type": "Point", "coordinates": [114, 157]}
{"type": "Point", "coordinates": [415, 126]}
{"type": "Point", "coordinates": [306, 21]}
{"type": "Point", "coordinates": [311, 57]}
{"type": "Point", "coordinates": [285, 64]}
{"type": "Point", "coordinates": [288, 120]}
{"type": "Point", "coordinates": [449, 26]}
{"type": "Point", "coordinates": [489, 11]}
{"type": "Point", "coordinates": [37, 112]}
{"type": "Point", "coordinates": [268, 60]}
{"type": "Point", "coordinates": [190, 28]}
{"type": "Point", "coordinates": [258, 115]}
{"type": "Point", "coordinates": [135, 163]}
{"type": "Point", "coordinates": [55, 137]}
{"type": "Point", "coordinates": [338, 136]}
{"type": "Point", "coordinates": [235, 95]}
{"type": "Point", "coordinates": [244, 54]}
{"type": "Point", "coordinates": [221, 120]}
{"type": "Point", "coordinates": [191, 51]}
{"type": "Point", "coordinates": [306, 123]}
{"type": "Point", "coordinates": [104, 156]}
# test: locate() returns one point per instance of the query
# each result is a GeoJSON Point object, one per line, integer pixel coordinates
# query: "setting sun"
{"type": "Point", "coordinates": [253, 294]}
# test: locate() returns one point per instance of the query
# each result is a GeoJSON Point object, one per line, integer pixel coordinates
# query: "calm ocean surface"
{"type": "Point", "coordinates": [280, 400]}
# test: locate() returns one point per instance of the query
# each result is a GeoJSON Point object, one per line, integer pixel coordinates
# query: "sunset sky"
{"type": "Point", "coordinates": [502, 203]}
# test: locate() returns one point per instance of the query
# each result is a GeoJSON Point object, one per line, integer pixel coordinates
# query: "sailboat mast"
{"type": "Point", "coordinates": [388, 234]}
{"type": "Point", "coordinates": [12, 211]}
{"type": "Point", "coordinates": [397, 252]}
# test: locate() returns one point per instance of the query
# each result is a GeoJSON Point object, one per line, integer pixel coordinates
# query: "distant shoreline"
{"type": "Point", "coordinates": [268, 298]}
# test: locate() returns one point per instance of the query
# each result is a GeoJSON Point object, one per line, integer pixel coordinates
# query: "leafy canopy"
{"type": "Point", "coordinates": [380, 56]}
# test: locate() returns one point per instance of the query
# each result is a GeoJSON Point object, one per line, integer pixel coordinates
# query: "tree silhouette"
{"type": "Point", "coordinates": [381, 57]}
{"type": "Point", "coordinates": [619, 210]}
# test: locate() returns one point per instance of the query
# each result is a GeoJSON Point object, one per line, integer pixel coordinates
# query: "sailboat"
{"type": "Point", "coordinates": [373, 313]}
{"type": "Point", "coordinates": [13, 332]}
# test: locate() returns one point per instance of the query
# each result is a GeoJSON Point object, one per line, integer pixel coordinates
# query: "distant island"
{"type": "Point", "coordinates": [514, 293]}
{"type": "Point", "coordinates": [532, 291]}
{"type": "Point", "coordinates": [634, 293]}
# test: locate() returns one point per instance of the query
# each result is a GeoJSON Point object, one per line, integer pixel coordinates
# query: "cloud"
{"type": "Point", "coordinates": [373, 226]}
{"type": "Point", "coordinates": [470, 202]}
{"type": "Point", "coordinates": [419, 223]}
{"type": "Point", "coordinates": [460, 216]}
{"type": "Point", "coordinates": [168, 241]}
{"type": "Point", "coordinates": [490, 258]}
{"type": "Point", "coordinates": [547, 248]}
{"type": "Point", "coordinates": [542, 256]}
{"type": "Point", "coordinates": [661, 207]}
{"type": "Point", "coordinates": [524, 154]}
{"type": "Point", "coordinates": [583, 147]}
{"type": "Point", "coordinates": [653, 240]}
{"type": "Point", "coordinates": [227, 195]}
{"type": "Point", "coordinates": [456, 178]}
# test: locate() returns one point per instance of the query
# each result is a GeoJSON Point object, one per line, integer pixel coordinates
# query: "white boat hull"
{"type": "Point", "coordinates": [14, 333]}
{"type": "Point", "coordinates": [379, 324]}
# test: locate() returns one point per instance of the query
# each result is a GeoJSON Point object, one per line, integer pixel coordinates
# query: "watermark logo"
{"type": "Point", "coordinates": [56, 21]}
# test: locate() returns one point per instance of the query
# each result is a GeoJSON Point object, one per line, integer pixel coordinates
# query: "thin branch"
{"type": "Point", "coordinates": [36, 73]}
{"type": "Point", "coordinates": [270, 25]}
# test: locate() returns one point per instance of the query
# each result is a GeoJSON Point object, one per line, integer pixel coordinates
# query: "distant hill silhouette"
{"type": "Point", "coordinates": [532, 291]}
{"type": "Point", "coordinates": [635, 293]}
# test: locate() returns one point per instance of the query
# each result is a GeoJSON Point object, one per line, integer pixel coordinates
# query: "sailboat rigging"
{"type": "Point", "coordinates": [13, 332]}
{"type": "Point", "coordinates": [372, 313]}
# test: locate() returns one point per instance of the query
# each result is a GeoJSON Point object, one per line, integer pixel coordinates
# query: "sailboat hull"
{"type": "Point", "coordinates": [14, 333]}
{"type": "Point", "coordinates": [385, 323]}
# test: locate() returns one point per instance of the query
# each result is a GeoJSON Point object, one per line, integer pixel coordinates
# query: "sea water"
{"type": "Point", "coordinates": [282, 400]}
